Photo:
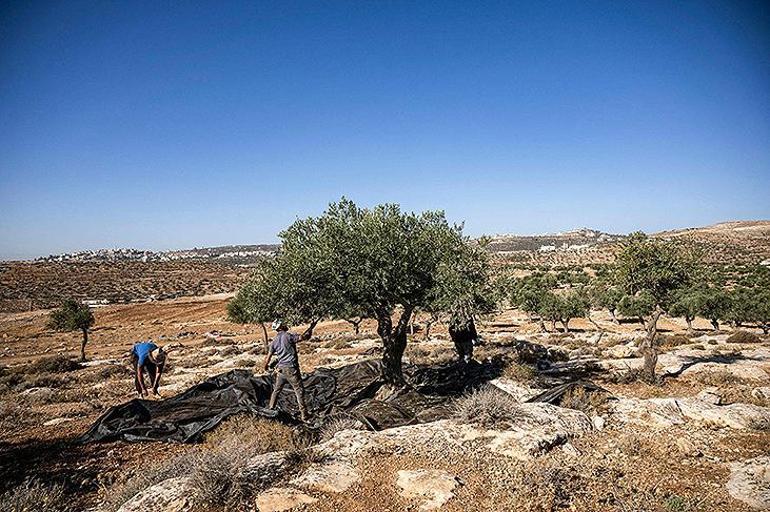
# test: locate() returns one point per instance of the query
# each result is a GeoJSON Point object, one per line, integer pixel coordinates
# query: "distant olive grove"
{"type": "Point", "coordinates": [353, 263]}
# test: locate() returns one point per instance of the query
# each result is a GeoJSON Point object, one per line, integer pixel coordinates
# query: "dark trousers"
{"type": "Point", "coordinates": [150, 368]}
{"type": "Point", "coordinates": [293, 377]}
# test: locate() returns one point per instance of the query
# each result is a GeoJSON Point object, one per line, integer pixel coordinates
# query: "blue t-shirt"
{"type": "Point", "coordinates": [284, 346]}
{"type": "Point", "coordinates": [142, 351]}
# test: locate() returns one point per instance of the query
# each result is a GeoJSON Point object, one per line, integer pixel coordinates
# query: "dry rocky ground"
{"type": "Point", "coordinates": [699, 440]}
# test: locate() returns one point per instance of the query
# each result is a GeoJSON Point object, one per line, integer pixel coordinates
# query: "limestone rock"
{"type": "Point", "coordinates": [761, 393]}
{"type": "Point", "coordinates": [172, 495]}
{"type": "Point", "coordinates": [267, 467]}
{"type": "Point", "coordinates": [434, 487]}
{"type": "Point", "coordinates": [278, 499]}
{"type": "Point", "coordinates": [740, 370]}
{"type": "Point", "coordinates": [538, 428]}
{"type": "Point", "coordinates": [666, 412]}
{"type": "Point", "coordinates": [750, 482]}
{"type": "Point", "coordinates": [335, 476]}
{"type": "Point", "coordinates": [710, 395]}
{"type": "Point", "coordinates": [513, 388]}
{"type": "Point", "coordinates": [57, 421]}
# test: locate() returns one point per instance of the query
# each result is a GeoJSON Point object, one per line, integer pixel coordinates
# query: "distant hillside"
{"type": "Point", "coordinates": [122, 275]}
{"type": "Point", "coordinates": [242, 254]}
{"type": "Point", "coordinates": [740, 242]}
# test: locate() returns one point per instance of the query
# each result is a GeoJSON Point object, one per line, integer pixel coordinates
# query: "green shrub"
{"type": "Point", "coordinates": [744, 337]}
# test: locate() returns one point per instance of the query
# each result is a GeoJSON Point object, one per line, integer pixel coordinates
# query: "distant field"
{"type": "Point", "coordinates": [26, 286]}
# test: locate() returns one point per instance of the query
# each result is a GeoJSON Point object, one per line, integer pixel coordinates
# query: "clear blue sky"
{"type": "Point", "coordinates": [177, 124]}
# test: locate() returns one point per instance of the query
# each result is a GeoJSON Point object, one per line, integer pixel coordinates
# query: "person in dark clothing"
{"type": "Point", "coordinates": [284, 347]}
{"type": "Point", "coordinates": [462, 330]}
{"type": "Point", "coordinates": [147, 357]}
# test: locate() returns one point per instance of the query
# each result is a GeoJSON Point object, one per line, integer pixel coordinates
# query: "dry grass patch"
{"type": "Point", "coordinates": [430, 355]}
{"type": "Point", "coordinates": [487, 406]}
{"type": "Point", "coordinates": [36, 496]}
{"type": "Point", "coordinates": [592, 403]}
{"type": "Point", "coordinates": [519, 372]}
{"type": "Point", "coordinates": [218, 468]}
{"type": "Point", "coordinates": [339, 424]}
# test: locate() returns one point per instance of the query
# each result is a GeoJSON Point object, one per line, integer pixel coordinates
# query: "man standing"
{"type": "Point", "coordinates": [284, 347]}
{"type": "Point", "coordinates": [147, 356]}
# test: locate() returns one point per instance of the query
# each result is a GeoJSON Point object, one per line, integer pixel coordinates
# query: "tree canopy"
{"type": "Point", "coordinates": [378, 262]}
{"type": "Point", "coordinates": [72, 316]}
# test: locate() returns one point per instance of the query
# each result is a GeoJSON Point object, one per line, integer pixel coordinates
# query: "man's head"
{"type": "Point", "coordinates": [279, 325]}
{"type": "Point", "coordinates": [158, 355]}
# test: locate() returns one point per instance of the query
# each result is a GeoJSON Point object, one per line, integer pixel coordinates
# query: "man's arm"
{"type": "Point", "coordinates": [267, 358]}
{"type": "Point", "coordinates": [309, 331]}
{"type": "Point", "coordinates": [140, 378]}
{"type": "Point", "coordinates": [156, 383]}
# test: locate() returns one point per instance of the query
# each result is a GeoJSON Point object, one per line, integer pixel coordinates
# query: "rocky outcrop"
{"type": "Point", "coordinates": [170, 495]}
{"type": "Point", "coordinates": [666, 412]}
{"type": "Point", "coordinates": [279, 499]}
{"type": "Point", "coordinates": [750, 482]}
{"type": "Point", "coordinates": [432, 487]}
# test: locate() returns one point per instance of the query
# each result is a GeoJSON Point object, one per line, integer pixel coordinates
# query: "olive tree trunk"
{"type": "Point", "coordinates": [614, 317]}
{"type": "Point", "coordinates": [649, 347]}
{"type": "Point", "coordinates": [83, 345]}
{"type": "Point", "coordinates": [394, 343]}
{"type": "Point", "coordinates": [690, 330]}
{"type": "Point", "coordinates": [715, 324]}
{"type": "Point", "coordinates": [266, 338]}
{"type": "Point", "coordinates": [356, 323]}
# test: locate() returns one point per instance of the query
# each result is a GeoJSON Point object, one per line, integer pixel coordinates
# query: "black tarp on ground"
{"type": "Point", "coordinates": [350, 389]}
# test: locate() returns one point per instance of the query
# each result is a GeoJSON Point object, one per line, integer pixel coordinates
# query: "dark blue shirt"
{"type": "Point", "coordinates": [142, 351]}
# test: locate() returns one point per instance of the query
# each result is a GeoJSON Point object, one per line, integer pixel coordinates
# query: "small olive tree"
{"type": "Point", "coordinates": [73, 316]}
{"type": "Point", "coordinates": [687, 304]}
{"type": "Point", "coordinates": [653, 270]}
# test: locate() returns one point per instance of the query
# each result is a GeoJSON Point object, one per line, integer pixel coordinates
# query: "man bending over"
{"type": "Point", "coordinates": [147, 356]}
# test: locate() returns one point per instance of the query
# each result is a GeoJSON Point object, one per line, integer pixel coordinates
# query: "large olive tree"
{"type": "Point", "coordinates": [382, 261]}
{"type": "Point", "coordinates": [652, 270]}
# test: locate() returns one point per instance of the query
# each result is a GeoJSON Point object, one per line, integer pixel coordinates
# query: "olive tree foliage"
{"type": "Point", "coordinates": [382, 261]}
{"type": "Point", "coordinates": [749, 305]}
{"type": "Point", "coordinates": [687, 304]}
{"type": "Point", "coordinates": [72, 315]}
{"type": "Point", "coordinates": [463, 288]}
{"type": "Point", "coordinates": [604, 295]}
{"type": "Point", "coordinates": [714, 305]}
{"type": "Point", "coordinates": [651, 272]}
{"type": "Point", "coordinates": [531, 294]}
{"type": "Point", "coordinates": [256, 301]}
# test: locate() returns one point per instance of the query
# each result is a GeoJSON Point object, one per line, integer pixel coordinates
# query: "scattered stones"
{"type": "Point", "coordinates": [762, 393]}
{"type": "Point", "coordinates": [710, 395]}
{"type": "Point", "coordinates": [170, 495]}
{"type": "Point", "coordinates": [278, 499]}
{"type": "Point", "coordinates": [750, 482]}
{"type": "Point", "coordinates": [434, 487]}
{"type": "Point", "coordinates": [687, 447]}
{"type": "Point", "coordinates": [56, 421]}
